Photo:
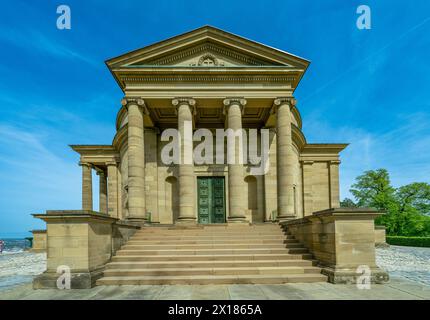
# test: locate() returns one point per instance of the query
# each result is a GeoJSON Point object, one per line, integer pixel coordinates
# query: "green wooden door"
{"type": "Point", "coordinates": [211, 200]}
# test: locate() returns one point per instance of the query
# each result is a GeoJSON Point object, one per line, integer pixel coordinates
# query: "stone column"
{"type": "Point", "coordinates": [334, 184]}
{"type": "Point", "coordinates": [187, 190]}
{"type": "Point", "coordinates": [270, 179]}
{"type": "Point", "coordinates": [102, 191]}
{"type": "Point", "coordinates": [87, 186]}
{"type": "Point", "coordinates": [307, 172]}
{"type": "Point", "coordinates": [234, 108]}
{"type": "Point", "coordinates": [112, 189]}
{"type": "Point", "coordinates": [136, 159]}
{"type": "Point", "coordinates": [284, 158]}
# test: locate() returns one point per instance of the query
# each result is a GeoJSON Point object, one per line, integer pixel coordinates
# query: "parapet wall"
{"type": "Point", "coordinates": [343, 242]}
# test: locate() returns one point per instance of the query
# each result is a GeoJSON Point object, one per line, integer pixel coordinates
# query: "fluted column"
{"type": "Point", "coordinates": [284, 158]}
{"type": "Point", "coordinates": [112, 189]}
{"type": "Point", "coordinates": [187, 190]}
{"type": "Point", "coordinates": [136, 158]}
{"type": "Point", "coordinates": [102, 191]}
{"type": "Point", "coordinates": [234, 107]}
{"type": "Point", "coordinates": [87, 186]}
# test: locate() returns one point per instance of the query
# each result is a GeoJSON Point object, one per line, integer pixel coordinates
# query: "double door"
{"type": "Point", "coordinates": [211, 200]}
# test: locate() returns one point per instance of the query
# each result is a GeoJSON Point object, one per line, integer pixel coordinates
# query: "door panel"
{"type": "Point", "coordinates": [211, 200]}
{"type": "Point", "coordinates": [204, 200]}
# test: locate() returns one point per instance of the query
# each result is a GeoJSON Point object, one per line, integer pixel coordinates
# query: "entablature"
{"type": "Point", "coordinates": [97, 155]}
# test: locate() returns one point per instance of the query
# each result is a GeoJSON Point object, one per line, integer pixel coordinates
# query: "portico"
{"type": "Point", "coordinates": [211, 79]}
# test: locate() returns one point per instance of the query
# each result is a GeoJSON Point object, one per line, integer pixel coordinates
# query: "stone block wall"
{"type": "Point", "coordinates": [39, 241]}
{"type": "Point", "coordinates": [81, 241]}
{"type": "Point", "coordinates": [342, 240]}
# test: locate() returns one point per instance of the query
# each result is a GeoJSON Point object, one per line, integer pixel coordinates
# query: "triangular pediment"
{"type": "Point", "coordinates": [207, 54]}
{"type": "Point", "coordinates": [208, 47]}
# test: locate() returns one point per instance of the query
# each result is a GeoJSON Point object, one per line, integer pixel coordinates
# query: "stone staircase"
{"type": "Point", "coordinates": [212, 254]}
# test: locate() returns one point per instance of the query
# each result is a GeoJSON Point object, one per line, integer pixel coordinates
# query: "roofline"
{"type": "Point", "coordinates": [336, 147]}
{"type": "Point", "coordinates": [108, 62]}
{"type": "Point", "coordinates": [80, 148]}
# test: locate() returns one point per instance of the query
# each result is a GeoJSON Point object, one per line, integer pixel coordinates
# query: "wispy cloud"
{"type": "Point", "coordinates": [33, 40]}
{"type": "Point", "coordinates": [33, 178]}
{"type": "Point", "coordinates": [403, 150]}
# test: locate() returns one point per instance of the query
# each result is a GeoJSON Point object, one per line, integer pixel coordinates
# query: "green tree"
{"type": "Point", "coordinates": [414, 205]}
{"type": "Point", "coordinates": [406, 208]}
{"type": "Point", "coordinates": [348, 203]}
{"type": "Point", "coordinates": [373, 189]}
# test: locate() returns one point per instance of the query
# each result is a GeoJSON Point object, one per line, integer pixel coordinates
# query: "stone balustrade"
{"type": "Point", "coordinates": [343, 242]}
{"type": "Point", "coordinates": [83, 241]}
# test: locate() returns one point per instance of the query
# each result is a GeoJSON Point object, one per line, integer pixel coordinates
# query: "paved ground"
{"type": "Point", "coordinates": [409, 269]}
{"type": "Point", "coordinates": [409, 262]}
{"type": "Point", "coordinates": [398, 288]}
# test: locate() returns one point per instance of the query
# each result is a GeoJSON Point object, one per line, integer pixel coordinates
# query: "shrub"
{"type": "Point", "coordinates": [409, 241]}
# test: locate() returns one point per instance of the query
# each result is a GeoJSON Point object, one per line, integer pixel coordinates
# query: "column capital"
{"type": "Point", "coordinates": [231, 101]}
{"type": "Point", "coordinates": [100, 173]}
{"type": "Point", "coordinates": [234, 100]}
{"type": "Point", "coordinates": [111, 163]}
{"type": "Point", "coordinates": [334, 162]}
{"type": "Point", "coordinates": [291, 101]}
{"type": "Point", "coordinates": [86, 164]}
{"type": "Point", "coordinates": [127, 101]}
{"type": "Point", "coordinates": [133, 100]}
{"type": "Point", "coordinates": [183, 100]}
{"type": "Point", "coordinates": [190, 102]}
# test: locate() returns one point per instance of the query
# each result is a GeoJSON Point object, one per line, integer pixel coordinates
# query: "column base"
{"type": "Point", "coordinates": [186, 220]}
{"type": "Point", "coordinates": [79, 280]}
{"type": "Point", "coordinates": [137, 221]}
{"type": "Point", "coordinates": [286, 217]}
{"type": "Point", "coordinates": [237, 220]}
{"type": "Point", "coordinates": [350, 275]}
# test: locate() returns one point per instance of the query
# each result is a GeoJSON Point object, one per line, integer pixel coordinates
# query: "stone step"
{"type": "Point", "coordinates": [155, 230]}
{"type": "Point", "coordinates": [210, 251]}
{"type": "Point", "coordinates": [220, 254]}
{"type": "Point", "coordinates": [181, 246]}
{"type": "Point", "coordinates": [210, 271]}
{"type": "Point", "coordinates": [228, 241]}
{"type": "Point", "coordinates": [233, 230]}
{"type": "Point", "coordinates": [209, 263]}
{"type": "Point", "coordinates": [209, 237]}
{"type": "Point", "coordinates": [213, 279]}
{"type": "Point", "coordinates": [213, 235]}
{"type": "Point", "coordinates": [211, 257]}
{"type": "Point", "coordinates": [213, 228]}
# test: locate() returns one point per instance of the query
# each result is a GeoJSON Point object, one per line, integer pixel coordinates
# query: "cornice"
{"type": "Point", "coordinates": [209, 78]}
{"type": "Point", "coordinates": [93, 149]}
{"type": "Point", "coordinates": [326, 148]}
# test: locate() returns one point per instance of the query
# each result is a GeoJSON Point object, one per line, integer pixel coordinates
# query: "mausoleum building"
{"type": "Point", "coordinates": [214, 81]}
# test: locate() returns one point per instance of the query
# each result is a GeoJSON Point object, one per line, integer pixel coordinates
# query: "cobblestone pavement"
{"type": "Point", "coordinates": [409, 262]}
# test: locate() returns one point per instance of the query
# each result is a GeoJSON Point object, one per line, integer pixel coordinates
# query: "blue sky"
{"type": "Point", "coordinates": [370, 88]}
